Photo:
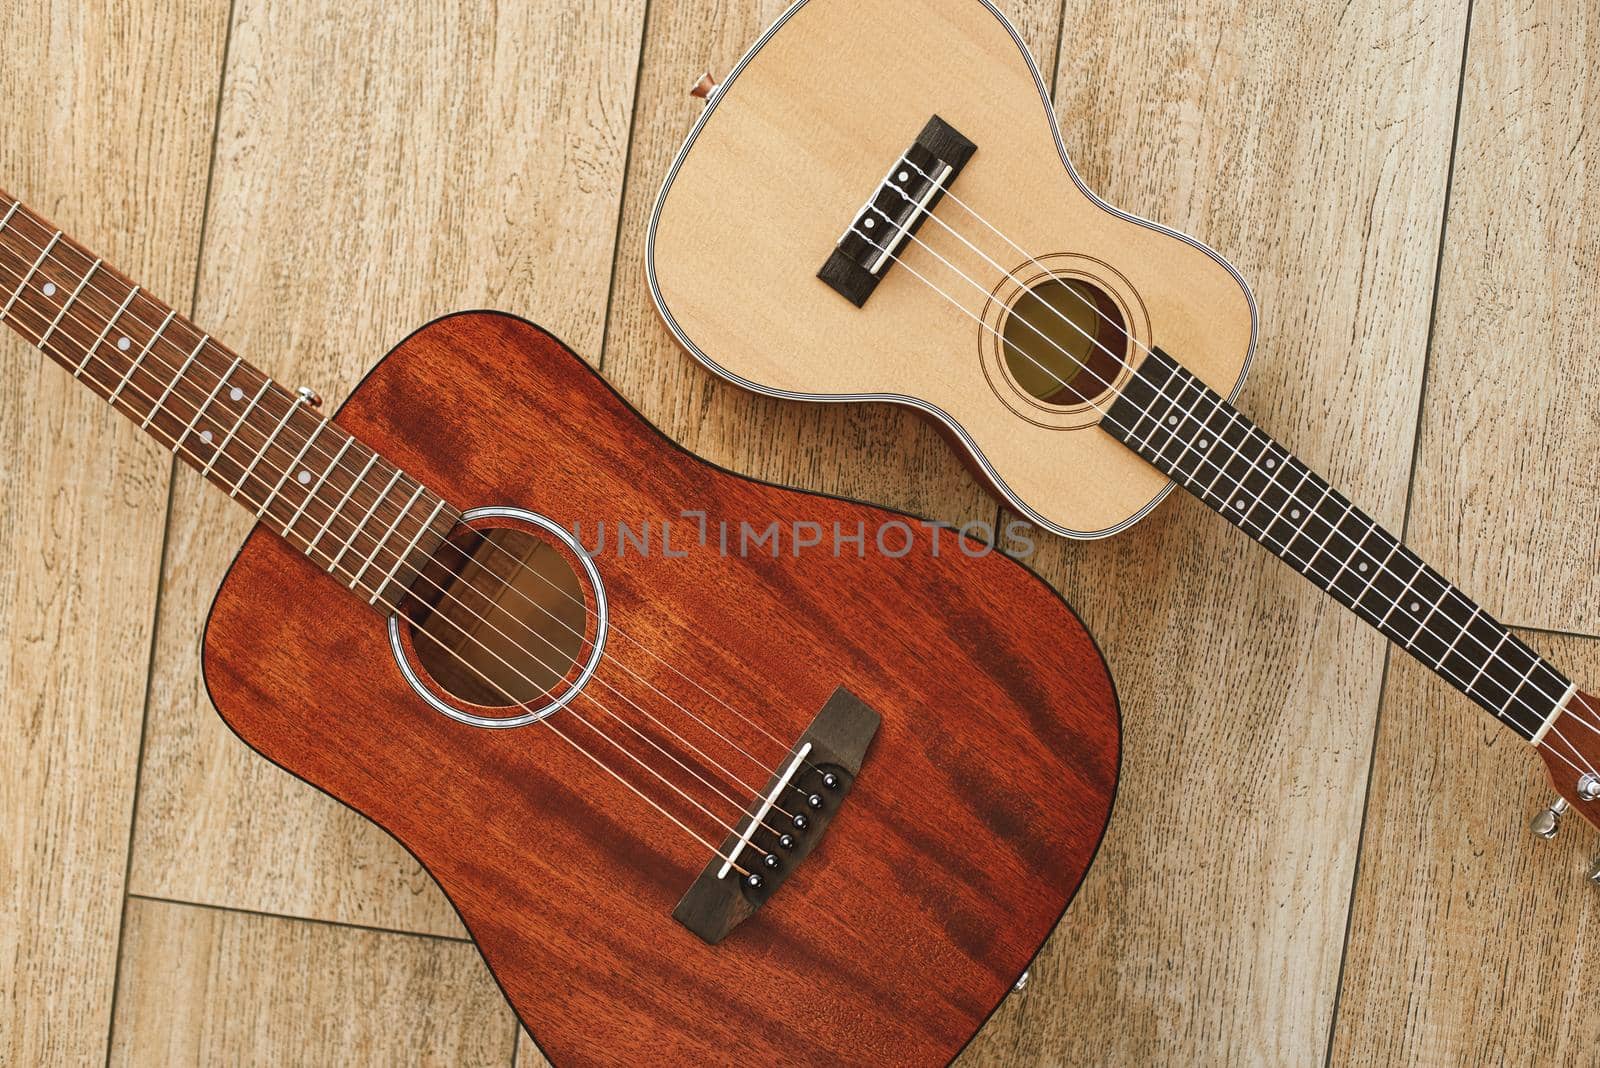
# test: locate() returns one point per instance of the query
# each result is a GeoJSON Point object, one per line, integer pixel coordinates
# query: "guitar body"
{"type": "Point", "coordinates": [976, 813]}
{"type": "Point", "coordinates": [802, 132]}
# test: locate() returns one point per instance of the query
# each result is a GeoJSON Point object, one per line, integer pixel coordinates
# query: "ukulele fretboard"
{"type": "Point", "coordinates": [1182, 427]}
{"type": "Point", "coordinates": [347, 508]}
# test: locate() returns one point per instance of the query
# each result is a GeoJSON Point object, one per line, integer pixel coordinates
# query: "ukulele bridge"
{"type": "Point", "coordinates": [770, 844]}
{"type": "Point", "coordinates": [902, 203]}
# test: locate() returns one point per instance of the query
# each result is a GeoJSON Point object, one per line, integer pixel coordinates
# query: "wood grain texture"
{"type": "Point", "coordinates": [376, 166]}
{"type": "Point", "coordinates": [803, 135]}
{"type": "Point", "coordinates": [987, 787]}
{"type": "Point", "coordinates": [1506, 488]}
{"type": "Point", "coordinates": [205, 986]}
{"type": "Point", "coordinates": [1311, 147]}
{"type": "Point", "coordinates": [114, 142]}
{"type": "Point", "coordinates": [877, 452]}
{"type": "Point", "coordinates": [1460, 914]}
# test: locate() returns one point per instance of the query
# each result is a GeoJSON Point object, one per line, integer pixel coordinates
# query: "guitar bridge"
{"type": "Point", "coordinates": [904, 199]}
{"type": "Point", "coordinates": [754, 861]}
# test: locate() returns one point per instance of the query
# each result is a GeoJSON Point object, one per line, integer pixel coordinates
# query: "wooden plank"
{"type": "Point", "coordinates": [1472, 942]}
{"type": "Point", "coordinates": [114, 145]}
{"type": "Point", "coordinates": [1309, 144]}
{"type": "Point", "coordinates": [206, 986]}
{"type": "Point", "coordinates": [377, 166]}
{"type": "Point", "coordinates": [1506, 492]}
{"type": "Point", "coordinates": [886, 455]}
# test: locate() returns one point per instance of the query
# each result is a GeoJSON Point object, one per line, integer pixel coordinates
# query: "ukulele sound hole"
{"type": "Point", "coordinates": [506, 619]}
{"type": "Point", "coordinates": [1064, 341]}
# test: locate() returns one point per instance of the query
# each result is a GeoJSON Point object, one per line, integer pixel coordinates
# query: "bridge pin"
{"type": "Point", "coordinates": [814, 800]}
{"type": "Point", "coordinates": [770, 860]}
{"type": "Point", "coordinates": [786, 841]}
{"type": "Point", "coordinates": [830, 780]}
{"type": "Point", "coordinates": [801, 822]}
{"type": "Point", "coordinates": [754, 881]}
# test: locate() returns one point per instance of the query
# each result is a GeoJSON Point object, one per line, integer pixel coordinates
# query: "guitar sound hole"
{"type": "Point", "coordinates": [1064, 341]}
{"type": "Point", "coordinates": [509, 623]}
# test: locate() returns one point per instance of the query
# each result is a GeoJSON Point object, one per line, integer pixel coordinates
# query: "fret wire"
{"type": "Point", "coordinates": [411, 547]}
{"type": "Point", "coordinates": [351, 489]}
{"type": "Point", "coordinates": [1160, 394]}
{"type": "Point", "coordinates": [177, 382]}
{"type": "Point", "coordinates": [1188, 413]}
{"type": "Point", "coordinates": [179, 377]}
{"type": "Point", "coordinates": [28, 277]}
{"type": "Point", "coordinates": [7, 220]}
{"type": "Point", "coordinates": [387, 534]}
{"type": "Point", "coordinates": [261, 453]}
{"type": "Point", "coordinates": [104, 331]}
{"type": "Point", "coordinates": [220, 450]}
{"type": "Point", "coordinates": [322, 424]}
{"type": "Point", "coordinates": [1357, 546]}
{"type": "Point", "coordinates": [367, 515]}
{"type": "Point", "coordinates": [93, 267]}
{"type": "Point", "coordinates": [198, 412]}
{"type": "Point", "coordinates": [1406, 590]}
{"type": "Point", "coordinates": [1488, 660]}
{"type": "Point", "coordinates": [312, 492]}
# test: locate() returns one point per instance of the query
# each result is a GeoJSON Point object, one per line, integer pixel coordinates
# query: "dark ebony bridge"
{"type": "Point", "coordinates": [822, 767]}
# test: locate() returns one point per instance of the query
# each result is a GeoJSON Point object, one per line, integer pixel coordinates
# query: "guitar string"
{"type": "Point", "coordinates": [1239, 484]}
{"type": "Point", "coordinates": [286, 443]}
{"type": "Point", "coordinates": [178, 446]}
{"type": "Point", "coordinates": [286, 446]}
{"type": "Point", "coordinates": [1358, 544]}
{"type": "Point", "coordinates": [1513, 695]}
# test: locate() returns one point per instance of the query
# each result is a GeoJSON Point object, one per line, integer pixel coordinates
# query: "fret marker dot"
{"type": "Point", "coordinates": [1416, 606]}
{"type": "Point", "coordinates": [304, 478]}
{"type": "Point", "coordinates": [49, 289]}
{"type": "Point", "coordinates": [1294, 513]}
{"type": "Point", "coordinates": [206, 436]}
{"type": "Point", "coordinates": [870, 223]}
{"type": "Point", "coordinates": [1201, 443]}
{"type": "Point", "coordinates": [1172, 420]}
{"type": "Point", "coordinates": [124, 344]}
{"type": "Point", "coordinates": [905, 176]}
{"type": "Point", "coordinates": [1239, 504]}
{"type": "Point", "coordinates": [236, 394]}
{"type": "Point", "coordinates": [1362, 566]}
{"type": "Point", "coordinates": [1271, 463]}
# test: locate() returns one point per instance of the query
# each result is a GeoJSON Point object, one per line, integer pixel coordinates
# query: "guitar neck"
{"type": "Point", "coordinates": [1189, 432]}
{"type": "Point", "coordinates": [350, 511]}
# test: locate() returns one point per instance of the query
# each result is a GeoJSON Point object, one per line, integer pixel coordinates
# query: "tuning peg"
{"type": "Point", "coordinates": [310, 396]}
{"type": "Point", "coordinates": [1548, 822]}
{"type": "Point", "coordinates": [706, 88]}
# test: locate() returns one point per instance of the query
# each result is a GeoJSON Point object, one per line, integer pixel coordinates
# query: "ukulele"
{"type": "Point", "coordinates": [693, 803]}
{"type": "Point", "coordinates": [877, 206]}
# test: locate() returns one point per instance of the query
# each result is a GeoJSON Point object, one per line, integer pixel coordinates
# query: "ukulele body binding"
{"type": "Point", "coordinates": [827, 99]}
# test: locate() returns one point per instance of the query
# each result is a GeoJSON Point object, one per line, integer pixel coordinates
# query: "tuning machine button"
{"type": "Point", "coordinates": [1594, 876]}
{"type": "Point", "coordinates": [1022, 981]}
{"type": "Point", "coordinates": [706, 88]}
{"type": "Point", "coordinates": [1589, 787]}
{"type": "Point", "coordinates": [1548, 822]}
{"type": "Point", "coordinates": [312, 398]}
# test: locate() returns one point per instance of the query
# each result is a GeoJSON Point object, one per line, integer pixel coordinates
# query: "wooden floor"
{"type": "Point", "coordinates": [1319, 853]}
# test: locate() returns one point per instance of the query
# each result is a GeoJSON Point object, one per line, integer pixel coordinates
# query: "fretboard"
{"type": "Point", "coordinates": [354, 514]}
{"type": "Point", "coordinates": [1172, 420]}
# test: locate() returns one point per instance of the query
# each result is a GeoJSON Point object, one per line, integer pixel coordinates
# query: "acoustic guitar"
{"type": "Point", "coordinates": [877, 206]}
{"type": "Point", "coordinates": [696, 802]}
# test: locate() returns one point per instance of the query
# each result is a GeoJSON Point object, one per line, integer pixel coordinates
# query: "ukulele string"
{"type": "Point", "coordinates": [1394, 604]}
{"type": "Point", "coordinates": [179, 447]}
{"type": "Point", "coordinates": [286, 445]}
{"type": "Point", "coordinates": [381, 512]}
{"type": "Point", "coordinates": [1188, 415]}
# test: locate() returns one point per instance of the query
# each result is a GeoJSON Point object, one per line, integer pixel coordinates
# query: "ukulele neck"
{"type": "Point", "coordinates": [349, 510]}
{"type": "Point", "coordinates": [1189, 432]}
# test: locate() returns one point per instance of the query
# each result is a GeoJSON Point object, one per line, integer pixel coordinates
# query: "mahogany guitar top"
{"type": "Point", "coordinates": [961, 863]}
